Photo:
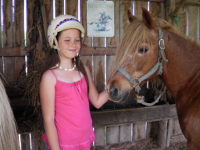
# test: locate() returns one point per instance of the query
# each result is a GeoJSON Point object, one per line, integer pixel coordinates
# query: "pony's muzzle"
{"type": "Point", "coordinates": [113, 92]}
{"type": "Point", "coordinates": [116, 95]}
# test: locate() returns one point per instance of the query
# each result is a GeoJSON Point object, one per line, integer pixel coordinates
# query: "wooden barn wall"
{"type": "Point", "coordinates": [16, 22]}
{"type": "Point", "coordinates": [17, 19]}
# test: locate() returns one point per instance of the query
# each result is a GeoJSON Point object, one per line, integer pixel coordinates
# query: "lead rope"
{"type": "Point", "coordinates": [140, 99]}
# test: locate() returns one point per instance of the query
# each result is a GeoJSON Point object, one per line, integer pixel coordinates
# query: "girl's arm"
{"type": "Point", "coordinates": [97, 99]}
{"type": "Point", "coordinates": [47, 96]}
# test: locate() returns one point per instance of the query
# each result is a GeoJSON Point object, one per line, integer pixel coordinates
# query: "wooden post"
{"type": "Point", "coordinates": [169, 132]}
{"type": "Point", "coordinates": [162, 134]}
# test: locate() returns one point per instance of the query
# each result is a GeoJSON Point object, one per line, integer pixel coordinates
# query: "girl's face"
{"type": "Point", "coordinates": [69, 43]}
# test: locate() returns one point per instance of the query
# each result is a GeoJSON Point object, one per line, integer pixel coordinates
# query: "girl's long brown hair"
{"type": "Point", "coordinates": [52, 59]}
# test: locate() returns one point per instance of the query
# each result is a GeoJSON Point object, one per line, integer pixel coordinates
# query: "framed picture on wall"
{"type": "Point", "coordinates": [100, 19]}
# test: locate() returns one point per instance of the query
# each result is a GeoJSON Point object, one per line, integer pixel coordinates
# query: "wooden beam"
{"type": "Point", "coordinates": [14, 51]}
{"type": "Point", "coordinates": [160, 1]}
{"type": "Point", "coordinates": [134, 115]}
{"type": "Point", "coordinates": [86, 51]}
{"type": "Point", "coordinates": [190, 3]}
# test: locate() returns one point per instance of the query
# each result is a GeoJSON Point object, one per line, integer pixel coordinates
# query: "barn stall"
{"type": "Point", "coordinates": [23, 47]}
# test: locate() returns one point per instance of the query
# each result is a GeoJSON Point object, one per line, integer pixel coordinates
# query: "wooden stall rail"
{"type": "Point", "coordinates": [133, 115]}
{"type": "Point", "coordinates": [126, 126]}
{"type": "Point", "coordinates": [136, 124]}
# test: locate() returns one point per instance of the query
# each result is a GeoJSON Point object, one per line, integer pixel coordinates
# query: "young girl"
{"type": "Point", "coordinates": [66, 88]}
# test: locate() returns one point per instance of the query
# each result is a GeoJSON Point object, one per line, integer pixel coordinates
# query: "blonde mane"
{"type": "Point", "coordinates": [8, 130]}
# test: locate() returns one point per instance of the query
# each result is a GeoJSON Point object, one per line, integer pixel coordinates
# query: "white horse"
{"type": "Point", "coordinates": [8, 130]}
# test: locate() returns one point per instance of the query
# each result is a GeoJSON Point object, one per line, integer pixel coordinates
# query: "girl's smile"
{"type": "Point", "coordinates": [72, 50]}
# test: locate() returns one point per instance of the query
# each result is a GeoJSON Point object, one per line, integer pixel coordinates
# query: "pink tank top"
{"type": "Point", "coordinates": [72, 115]}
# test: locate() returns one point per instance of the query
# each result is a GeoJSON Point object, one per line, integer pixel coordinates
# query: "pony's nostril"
{"type": "Point", "coordinates": [113, 92]}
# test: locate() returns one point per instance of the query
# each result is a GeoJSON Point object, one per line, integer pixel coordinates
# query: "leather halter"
{"type": "Point", "coordinates": [136, 81]}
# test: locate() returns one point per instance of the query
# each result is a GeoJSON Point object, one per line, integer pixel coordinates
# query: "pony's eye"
{"type": "Point", "coordinates": [143, 50]}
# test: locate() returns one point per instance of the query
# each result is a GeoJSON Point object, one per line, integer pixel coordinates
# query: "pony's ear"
{"type": "Point", "coordinates": [148, 20]}
{"type": "Point", "coordinates": [131, 18]}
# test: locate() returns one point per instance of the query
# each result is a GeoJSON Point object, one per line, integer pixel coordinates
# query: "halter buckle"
{"type": "Point", "coordinates": [161, 44]}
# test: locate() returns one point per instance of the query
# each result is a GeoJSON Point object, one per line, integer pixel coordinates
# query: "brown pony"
{"type": "Point", "coordinates": [153, 47]}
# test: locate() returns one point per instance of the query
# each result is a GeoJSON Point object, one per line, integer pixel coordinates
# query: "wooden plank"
{"type": "Point", "coordinates": [87, 40]}
{"type": "Point", "coordinates": [19, 68]}
{"type": "Point", "coordinates": [182, 20]}
{"type": "Point", "coordinates": [8, 24]}
{"type": "Point", "coordinates": [9, 70]}
{"type": "Point", "coordinates": [159, 1]}
{"type": "Point", "coordinates": [114, 41]}
{"type": "Point", "coordinates": [88, 59]}
{"type": "Point", "coordinates": [190, 3]}
{"type": "Point", "coordinates": [72, 6]}
{"type": "Point", "coordinates": [178, 138]}
{"type": "Point", "coordinates": [44, 18]}
{"type": "Point", "coordinates": [49, 11]}
{"type": "Point", "coordinates": [1, 33]}
{"type": "Point", "coordinates": [14, 51]}
{"type": "Point", "coordinates": [125, 133]}
{"type": "Point", "coordinates": [169, 132]}
{"type": "Point", "coordinates": [155, 9]}
{"type": "Point", "coordinates": [152, 129]}
{"type": "Point", "coordinates": [25, 141]}
{"type": "Point", "coordinates": [177, 1]}
{"type": "Point", "coordinates": [162, 134]}
{"type": "Point", "coordinates": [176, 130]}
{"type": "Point", "coordinates": [140, 131]}
{"type": "Point", "coordinates": [99, 72]}
{"type": "Point", "coordinates": [31, 141]}
{"type": "Point", "coordinates": [112, 135]}
{"type": "Point", "coordinates": [19, 26]}
{"type": "Point", "coordinates": [86, 51]}
{"type": "Point", "coordinates": [123, 19]}
{"type": "Point", "coordinates": [100, 136]}
{"type": "Point", "coordinates": [59, 7]}
{"type": "Point", "coordinates": [110, 66]}
{"type": "Point", "coordinates": [31, 14]}
{"type": "Point", "coordinates": [1, 65]}
{"type": "Point", "coordinates": [134, 115]}
{"type": "Point", "coordinates": [193, 21]}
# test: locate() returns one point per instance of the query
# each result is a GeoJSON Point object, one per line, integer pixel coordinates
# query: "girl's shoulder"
{"type": "Point", "coordinates": [48, 76]}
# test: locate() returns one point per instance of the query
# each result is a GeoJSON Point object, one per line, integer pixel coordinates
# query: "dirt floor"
{"type": "Point", "coordinates": [143, 145]}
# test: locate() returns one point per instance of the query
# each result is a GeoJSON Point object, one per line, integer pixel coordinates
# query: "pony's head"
{"type": "Point", "coordinates": [137, 54]}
